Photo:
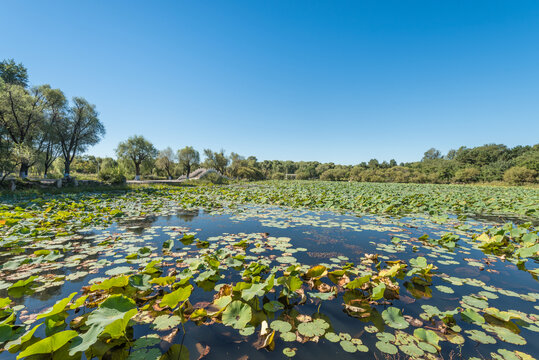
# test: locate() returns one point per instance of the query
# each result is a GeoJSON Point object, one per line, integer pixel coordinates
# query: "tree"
{"type": "Point", "coordinates": [13, 73]}
{"type": "Point", "coordinates": [520, 175]}
{"type": "Point", "coordinates": [136, 149]}
{"type": "Point", "coordinates": [432, 154]}
{"type": "Point", "coordinates": [49, 141]}
{"type": "Point", "coordinates": [21, 117]}
{"type": "Point", "coordinates": [188, 157]}
{"type": "Point", "coordinates": [165, 161]}
{"type": "Point", "coordinates": [78, 130]}
{"type": "Point", "coordinates": [216, 160]}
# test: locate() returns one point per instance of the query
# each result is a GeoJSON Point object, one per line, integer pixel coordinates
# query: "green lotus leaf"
{"type": "Point", "coordinates": [273, 306]}
{"type": "Point", "coordinates": [378, 291]}
{"type": "Point", "coordinates": [113, 308]}
{"type": "Point", "coordinates": [120, 270]}
{"type": "Point", "coordinates": [180, 295]}
{"type": "Point", "coordinates": [254, 290]}
{"type": "Point", "coordinates": [289, 352]}
{"type": "Point", "coordinates": [472, 316]}
{"type": "Point", "coordinates": [58, 307]}
{"type": "Point", "coordinates": [444, 289]}
{"type": "Point", "coordinates": [508, 336]}
{"type": "Point", "coordinates": [23, 283]}
{"type": "Point", "coordinates": [386, 347]}
{"type": "Point", "coordinates": [119, 281]}
{"type": "Point", "coordinates": [140, 281]}
{"type": "Point", "coordinates": [84, 341]}
{"type": "Point", "coordinates": [348, 346]}
{"type": "Point", "coordinates": [358, 282]}
{"type": "Point", "coordinates": [176, 352]}
{"type": "Point", "coordinates": [332, 337]}
{"type": "Point", "coordinates": [48, 345]}
{"type": "Point", "coordinates": [237, 314]}
{"type": "Point", "coordinates": [288, 336]}
{"type": "Point", "coordinates": [166, 322]}
{"type": "Point", "coordinates": [427, 336]}
{"type": "Point", "coordinates": [315, 328]}
{"type": "Point", "coordinates": [281, 326]}
{"type": "Point", "coordinates": [480, 336]}
{"type": "Point", "coordinates": [393, 318]}
{"type": "Point", "coordinates": [316, 272]}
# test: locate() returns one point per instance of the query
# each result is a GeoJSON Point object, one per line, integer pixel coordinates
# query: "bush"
{"type": "Point", "coordinates": [214, 178]}
{"type": "Point", "coordinates": [467, 175]}
{"type": "Point", "coordinates": [278, 176]}
{"type": "Point", "coordinates": [111, 176]}
{"type": "Point", "coordinates": [249, 173]}
{"type": "Point", "coordinates": [520, 175]}
{"type": "Point", "coordinates": [335, 175]}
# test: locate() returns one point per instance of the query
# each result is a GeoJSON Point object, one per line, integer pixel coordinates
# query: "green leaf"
{"type": "Point", "coordinates": [472, 316]}
{"type": "Point", "coordinates": [316, 271]}
{"type": "Point", "coordinates": [237, 314]}
{"type": "Point", "coordinates": [176, 352]}
{"type": "Point", "coordinates": [281, 326]}
{"type": "Point", "coordinates": [378, 291]}
{"type": "Point", "coordinates": [84, 341]}
{"type": "Point", "coordinates": [273, 306]}
{"type": "Point", "coordinates": [393, 318]}
{"type": "Point", "coordinates": [116, 329]}
{"type": "Point", "coordinates": [58, 307]}
{"type": "Point", "coordinates": [427, 336]}
{"type": "Point", "coordinates": [140, 281]}
{"type": "Point", "coordinates": [180, 295]}
{"type": "Point", "coordinates": [166, 322]}
{"type": "Point", "coordinates": [358, 282]}
{"type": "Point", "coordinates": [49, 344]}
{"type": "Point", "coordinates": [254, 290]}
{"type": "Point", "coordinates": [23, 283]}
{"type": "Point", "coordinates": [119, 281]}
{"type": "Point", "coordinates": [113, 308]}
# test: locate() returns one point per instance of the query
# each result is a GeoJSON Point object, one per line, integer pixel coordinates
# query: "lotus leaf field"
{"type": "Point", "coordinates": [271, 270]}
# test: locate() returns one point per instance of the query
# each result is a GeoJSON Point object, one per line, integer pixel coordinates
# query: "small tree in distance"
{"type": "Point", "coordinates": [165, 161]}
{"type": "Point", "coordinates": [188, 157]}
{"type": "Point", "coordinates": [136, 149]}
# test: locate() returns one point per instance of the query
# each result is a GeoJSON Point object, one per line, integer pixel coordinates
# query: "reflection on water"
{"type": "Point", "coordinates": [325, 237]}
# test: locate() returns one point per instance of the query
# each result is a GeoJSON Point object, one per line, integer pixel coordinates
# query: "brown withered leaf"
{"type": "Point", "coordinates": [203, 350]}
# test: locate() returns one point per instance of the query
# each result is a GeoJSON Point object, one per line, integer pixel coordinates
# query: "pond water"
{"type": "Point", "coordinates": [463, 277]}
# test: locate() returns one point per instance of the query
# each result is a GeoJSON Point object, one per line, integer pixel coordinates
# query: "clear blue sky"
{"type": "Point", "coordinates": [341, 81]}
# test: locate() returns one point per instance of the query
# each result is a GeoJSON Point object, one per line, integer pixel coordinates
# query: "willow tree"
{"type": "Point", "coordinates": [77, 130]}
{"type": "Point", "coordinates": [138, 150]}
{"type": "Point", "coordinates": [21, 118]}
{"type": "Point", "coordinates": [165, 161]}
{"type": "Point", "coordinates": [188, 158]}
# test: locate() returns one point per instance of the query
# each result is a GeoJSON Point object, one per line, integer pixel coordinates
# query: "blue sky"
{"type": "Point", "coordinates": [340, 81]}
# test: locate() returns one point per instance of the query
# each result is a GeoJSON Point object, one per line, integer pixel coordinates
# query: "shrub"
{"type": "Point", "coordinates": [520, 175]}
{"type": "Point", "coordinates": [249, 173]}
{"type": "Point", "coordinates": [467, 175]}
{"type": "Point", "coordinates": [214, 178]}
{"type": "Point", "coordinates": [111, 176]}
{"type": "Point", "coordinates": [278, 176]}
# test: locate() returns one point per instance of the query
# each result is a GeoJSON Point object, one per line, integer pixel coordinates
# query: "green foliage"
{"type": "Point", "coordinates": [112, 175]}
{"type": "Point", "coordinates": [519, 175]}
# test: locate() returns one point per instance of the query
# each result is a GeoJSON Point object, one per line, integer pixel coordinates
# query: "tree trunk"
{"type": "Point", "coordinates": [46, 170]}
{"type": "Point", "coordinates": [137, 171]}
{"type": "Point", "coordinates": [67, 165]}
{"type": "Point", "coordinates": [23, 173]}
{"type": "Point", "coordinates": [188, 167]}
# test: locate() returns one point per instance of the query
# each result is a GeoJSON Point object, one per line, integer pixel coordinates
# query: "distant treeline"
{"type": "Point", "coordinates": [487, 163]}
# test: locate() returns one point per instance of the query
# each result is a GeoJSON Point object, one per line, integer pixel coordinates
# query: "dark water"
{"type": "Point", "coordinates": [325, 236]}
